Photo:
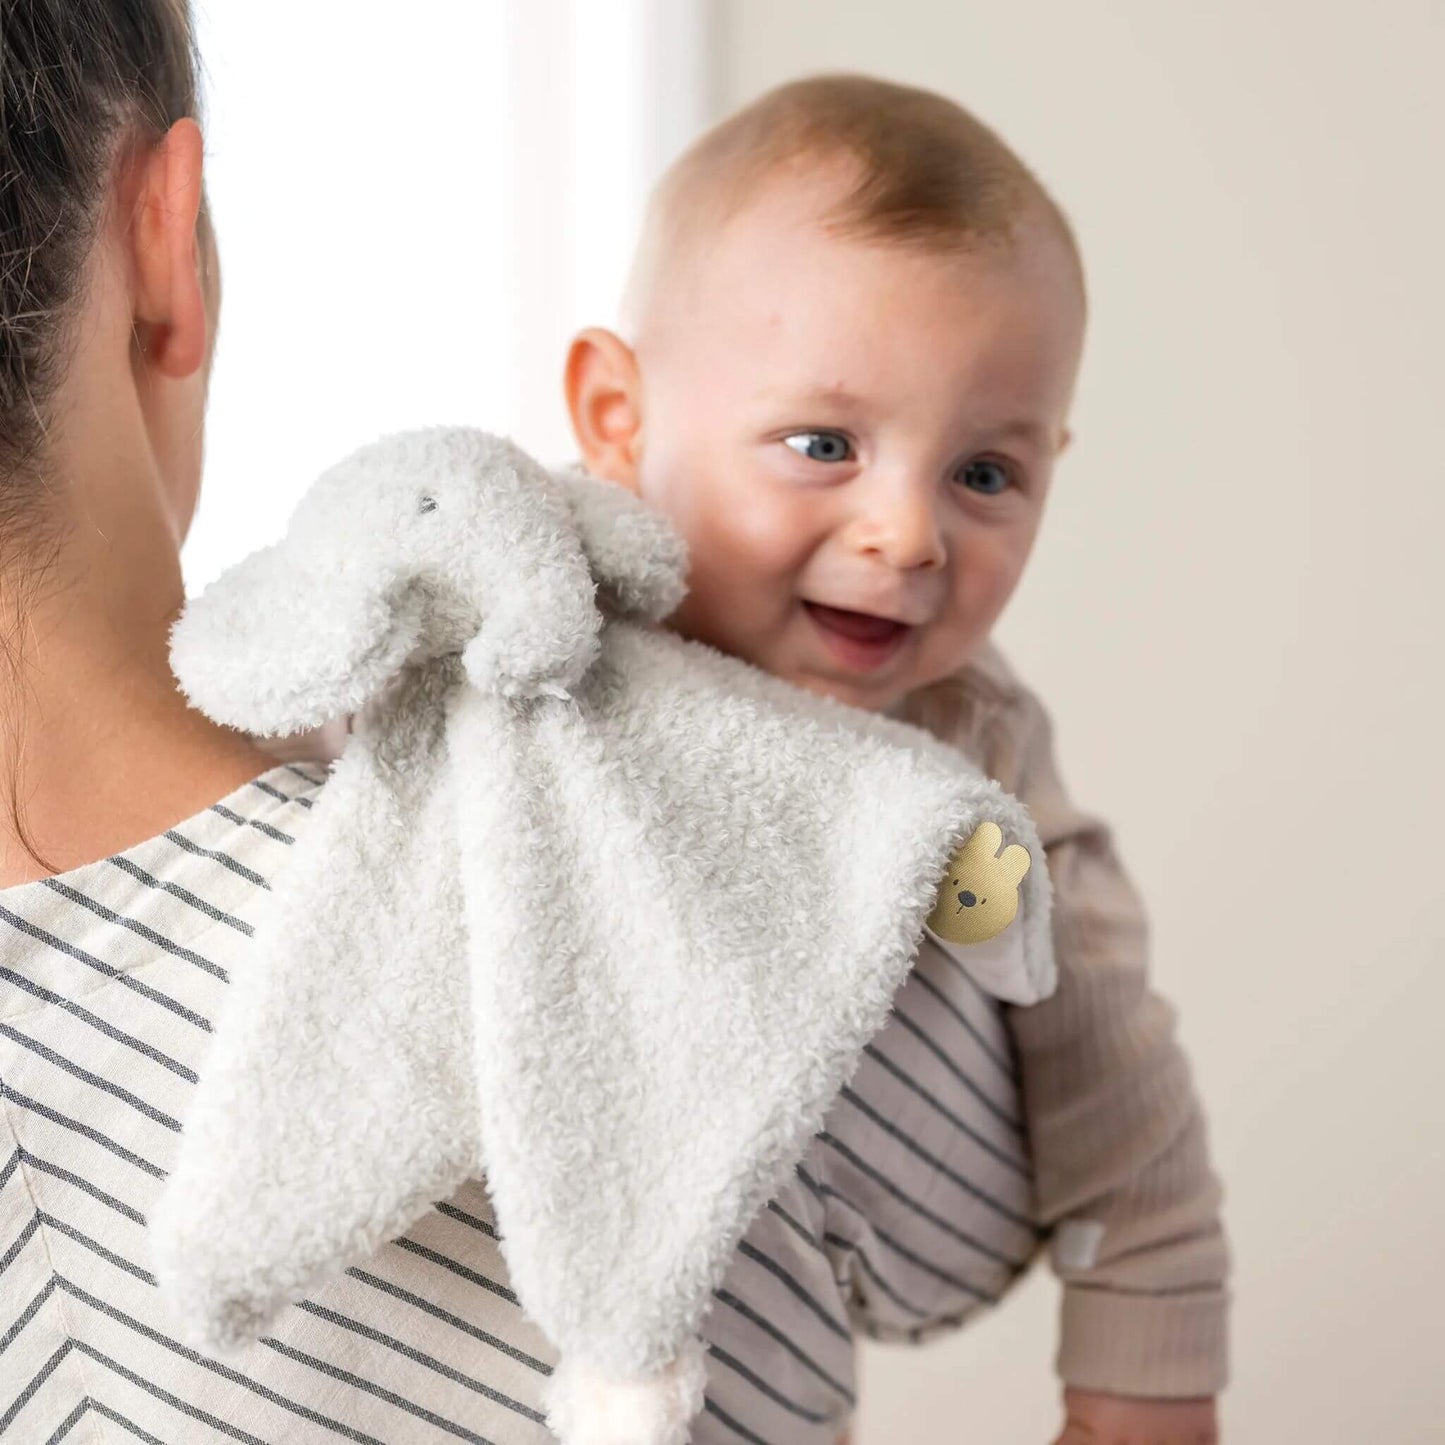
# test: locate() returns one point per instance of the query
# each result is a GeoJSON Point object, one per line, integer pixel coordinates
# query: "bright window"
{"type": "Point", "coordinates": [416, 206]}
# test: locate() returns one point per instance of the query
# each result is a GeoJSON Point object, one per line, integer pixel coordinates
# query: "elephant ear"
{"type": "Point", "coordinates": [275, 646]}
{"type": "Point", "coordinates": [638, 559]}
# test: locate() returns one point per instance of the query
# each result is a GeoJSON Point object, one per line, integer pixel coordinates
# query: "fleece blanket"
{"type": "Point", "coordinates": [586, 909]}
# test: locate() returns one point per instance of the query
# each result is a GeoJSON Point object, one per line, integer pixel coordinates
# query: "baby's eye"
{"type": "Point", "coordinates": [821, 446]}
{"type": "Point", "coordinates": [993, 475]}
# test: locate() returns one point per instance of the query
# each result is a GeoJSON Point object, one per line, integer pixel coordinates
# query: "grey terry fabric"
{"type": "Point", "coordinates": [597, 911]}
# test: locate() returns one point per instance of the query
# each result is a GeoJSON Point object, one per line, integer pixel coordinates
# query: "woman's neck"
{"type": "Point", "coordinates": [99, 749]}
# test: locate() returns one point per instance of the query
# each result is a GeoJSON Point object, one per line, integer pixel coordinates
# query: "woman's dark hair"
{"type": "Point", "coordinates": [75, 77]}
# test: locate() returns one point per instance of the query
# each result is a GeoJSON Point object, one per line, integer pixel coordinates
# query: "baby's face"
{"type": "Point", "coordinates": [856, 439]}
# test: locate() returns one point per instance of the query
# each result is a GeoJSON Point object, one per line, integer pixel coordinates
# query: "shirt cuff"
{"type": "Point", "coordinates": [1168, 1347]}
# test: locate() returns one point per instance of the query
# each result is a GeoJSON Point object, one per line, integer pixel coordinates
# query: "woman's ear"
{"type": "Point", "coordinates": [604, 396]}
{"type": "Point", "coordinates": [171, 318]}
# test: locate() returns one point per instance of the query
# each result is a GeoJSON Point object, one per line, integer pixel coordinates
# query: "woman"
{"type": "Point", "coordinates": [112, 970]}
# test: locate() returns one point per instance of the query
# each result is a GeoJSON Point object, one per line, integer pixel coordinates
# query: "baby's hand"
{"type": "Point", "coordinates": [1117, 1420]}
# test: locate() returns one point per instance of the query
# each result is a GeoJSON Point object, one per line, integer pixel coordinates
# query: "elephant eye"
{"type": "Point", "coordinates": [428, 504]}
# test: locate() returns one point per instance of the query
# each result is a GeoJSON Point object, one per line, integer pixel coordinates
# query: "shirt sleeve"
{"type": "Point", "coordinates": [1122, 1172]}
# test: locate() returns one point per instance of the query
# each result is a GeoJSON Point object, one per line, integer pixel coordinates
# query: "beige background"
{"type": "Point", "coordinates": [1234, 613]}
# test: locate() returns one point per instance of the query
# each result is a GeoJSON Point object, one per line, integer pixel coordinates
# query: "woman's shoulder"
{"type": "Point", "coordinates": [186, 893]}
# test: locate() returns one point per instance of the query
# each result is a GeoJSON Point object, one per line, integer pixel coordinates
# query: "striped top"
{"type": "Point", "coordinates": [910, 1211]}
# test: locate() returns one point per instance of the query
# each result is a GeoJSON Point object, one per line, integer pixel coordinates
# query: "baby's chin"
{"type": "Point", "coordinates": [872, 694]}
{"type": "Point", "coordinates": [890, 694]}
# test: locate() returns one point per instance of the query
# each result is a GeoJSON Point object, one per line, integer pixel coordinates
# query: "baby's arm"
{"type": "Point", "coordinates": [1118, 1137]}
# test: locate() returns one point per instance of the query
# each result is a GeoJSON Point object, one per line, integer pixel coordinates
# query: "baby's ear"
{"type": "Point", "coordinates": [638, 559]}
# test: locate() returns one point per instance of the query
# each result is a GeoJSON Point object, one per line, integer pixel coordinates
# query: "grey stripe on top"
{"type": "Point", "coordinates": [911, 1209]}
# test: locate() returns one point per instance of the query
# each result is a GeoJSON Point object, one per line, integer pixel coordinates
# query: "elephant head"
{"type": "Point", "coordinates": [446, 540]}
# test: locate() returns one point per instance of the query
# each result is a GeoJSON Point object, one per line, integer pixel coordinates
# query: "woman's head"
{"type": "Point", "coordinates": [108, 298]}
{"type": "Point", "coordinates": [88, 89]}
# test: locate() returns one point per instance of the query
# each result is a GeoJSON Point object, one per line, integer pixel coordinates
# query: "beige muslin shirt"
{"type": "Point", "coordinates": [1117, 1135]}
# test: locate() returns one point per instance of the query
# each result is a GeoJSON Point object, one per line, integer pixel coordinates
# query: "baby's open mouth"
{"type": "Point", "coordinates": [860, 640]}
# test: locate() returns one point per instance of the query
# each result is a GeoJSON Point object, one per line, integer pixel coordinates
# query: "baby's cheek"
{"type": "Point", "coordinates": [948, 645]}
{"type": "Point", "coordinates": [730, 523]}
{"type": "Point", "coordinates": [983, 582]}
{"type": "Point", "coordinates": [767, 534]}
{"type": "Point", "coordinates": [729, 609]}
{"type": "Point", "coordinates": [990, 565]}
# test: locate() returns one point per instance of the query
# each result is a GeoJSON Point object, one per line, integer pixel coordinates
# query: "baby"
{"type": "Point", "coordinates": [845, 369]}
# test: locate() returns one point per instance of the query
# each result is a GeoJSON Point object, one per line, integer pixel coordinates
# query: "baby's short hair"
{"type": "Point", "coordinates": [926, 172]}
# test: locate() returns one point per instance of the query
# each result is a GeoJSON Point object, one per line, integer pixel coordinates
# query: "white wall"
{"type": "Point", "coordinates": [1234, 612]}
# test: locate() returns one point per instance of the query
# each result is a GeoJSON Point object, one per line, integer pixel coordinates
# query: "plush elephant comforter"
{"type": "Point", "coordinates": [587, 908]}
